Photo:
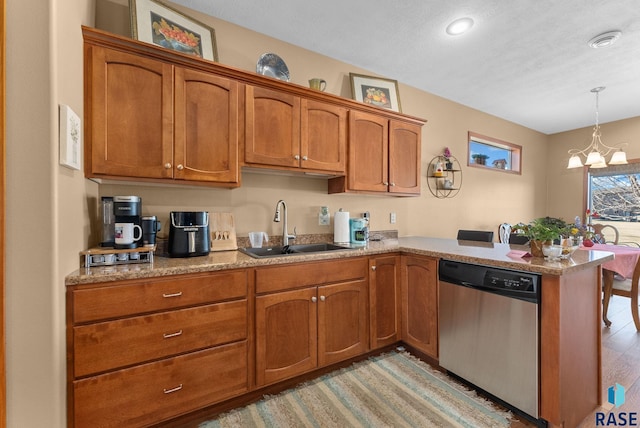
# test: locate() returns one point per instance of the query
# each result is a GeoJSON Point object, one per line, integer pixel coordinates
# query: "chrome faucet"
{"type": "Point", "coordinates": [285, 234]}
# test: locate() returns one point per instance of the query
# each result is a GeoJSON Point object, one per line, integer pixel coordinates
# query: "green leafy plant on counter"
{"type": "Point", "coordinates": [543, 229]}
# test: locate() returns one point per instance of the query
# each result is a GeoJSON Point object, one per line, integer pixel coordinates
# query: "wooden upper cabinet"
{"type": "Point", "coordinates": [323, 143]}
{"type": "Point", "coordinates": [272, 128]}
{"type": "Point", "coordinates": [405, 142]}
{"type": "Point", "coordinates": [153, 114]}
{"type": "Point", "coordinates": [384, 156]}
{"type": "Point", "coordinates": [130, 115]}
{"type": "Point", "coordinates": [288, 131]}
{"type": "Point", "coordinates": [206, 127]}
{"type": "Point", "coordinates": [368, 152]}
{"type": "Point", "coordinates": [150, 118]}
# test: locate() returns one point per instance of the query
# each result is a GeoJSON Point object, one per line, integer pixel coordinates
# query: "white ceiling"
{"type": "Point", "coordinates": [526, 61]}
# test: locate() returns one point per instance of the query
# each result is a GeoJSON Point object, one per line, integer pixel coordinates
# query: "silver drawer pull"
{"type": "Point", "coordinates": [178, 294]}
{"type": "Point", "coordinates": [176, 389]}
{"type": "Point", "coordinates": [169, 335]}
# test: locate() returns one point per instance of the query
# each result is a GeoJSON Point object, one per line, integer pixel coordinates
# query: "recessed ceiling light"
{"type": "Point", "coordinates": [605, 39]}
{"type": "Point", "coordinates": [459, 26]}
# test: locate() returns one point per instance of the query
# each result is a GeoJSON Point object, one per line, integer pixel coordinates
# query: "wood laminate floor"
{"type": "Point", "coordinates": [620, 363]}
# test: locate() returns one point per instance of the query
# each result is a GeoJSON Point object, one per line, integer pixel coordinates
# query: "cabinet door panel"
{"type": "Point", "coordinates": [323, 143]}
{"type": "Point", "coordinates": [404, 157]}
{"type": "Point", "coordinates": [343, 327]}
{"type": "Point", "coordinates": [206, 127]}
{"type": "Point", "coordinates": [130, 110]}
{"type": "Point", "coordinates": [272, 127]}
{"type": "Point", "coordinates": [368, 152]}
{"type": "Point", "coordinates": [420, 303]}
{"type": "Point", "coordinates": [286, 335]}
{"type": "Point", "coordinates": [384, 298]}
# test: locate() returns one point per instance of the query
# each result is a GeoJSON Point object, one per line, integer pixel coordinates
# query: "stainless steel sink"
{"type": "Point", "coordinates": [290, 250]}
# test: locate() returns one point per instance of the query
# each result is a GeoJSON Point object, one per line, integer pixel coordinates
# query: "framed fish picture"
{"type": "Point", "coordinates": [156, 23]}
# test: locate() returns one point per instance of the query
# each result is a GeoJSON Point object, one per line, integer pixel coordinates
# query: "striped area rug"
{"type": "Point", "coordinates": [391, 390]}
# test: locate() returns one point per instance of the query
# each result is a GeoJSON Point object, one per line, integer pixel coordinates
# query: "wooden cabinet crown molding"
{"type": "Point", "coordinates": [97, 37]}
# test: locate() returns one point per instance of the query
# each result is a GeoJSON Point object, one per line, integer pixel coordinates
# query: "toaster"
{"type": "Point", "coordinates": [189, 234]}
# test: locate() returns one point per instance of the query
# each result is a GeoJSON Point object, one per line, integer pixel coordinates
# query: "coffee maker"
{"type": "Point", "coordinates": [128, 209]}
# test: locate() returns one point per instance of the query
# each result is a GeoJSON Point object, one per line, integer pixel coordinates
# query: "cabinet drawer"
{"type": "Point", "coordinates": [156, 294]}
{"type": "Point", "coordinates": [277, 278]}
{"type": "Point", "coordinates": [113, 344]}
{"type": "Point", "coordinates": [150, 393]}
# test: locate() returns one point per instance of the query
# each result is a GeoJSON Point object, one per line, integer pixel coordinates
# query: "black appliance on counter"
{"type": "Point", "coordinates": [189, 234]}
{"type": "Point", "coordinates": [150, 227]}
{"type": "Point", "coordinates": [128, 209]}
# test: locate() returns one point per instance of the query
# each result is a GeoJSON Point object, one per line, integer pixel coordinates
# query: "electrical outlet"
{"type": "Point", "coordinates": [324, 218]}
{"type": "Point", "coordinates": [392, 218]}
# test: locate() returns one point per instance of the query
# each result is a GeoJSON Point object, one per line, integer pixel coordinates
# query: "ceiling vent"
{"type": "Point", "coordinates": [605, 39]}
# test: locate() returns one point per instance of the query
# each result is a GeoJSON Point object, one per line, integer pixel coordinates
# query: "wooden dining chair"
{"type": "Point", "coordinates": [605, 231]}
{"type": "Point", "coordinates": [629, 288]}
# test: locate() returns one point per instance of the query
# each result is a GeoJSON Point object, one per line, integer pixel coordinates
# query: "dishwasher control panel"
{"type": "Point", "coordinates": [520, 285]}
{"type": "Point", "coordinates": [508, 280]}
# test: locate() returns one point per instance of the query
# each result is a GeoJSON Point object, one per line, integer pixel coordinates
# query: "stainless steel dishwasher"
{"type": "Point", "coordinates": [488, 330]}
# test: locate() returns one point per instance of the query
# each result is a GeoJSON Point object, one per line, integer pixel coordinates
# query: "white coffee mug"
{"type": "Point", "coordinates": [125, 233]}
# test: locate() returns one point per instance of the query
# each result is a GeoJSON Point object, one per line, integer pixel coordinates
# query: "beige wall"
{"type": "Point", "coordinates": [565, 197]}
{"type": "Point", "coordinates": [47, 220]}
{"type": "Point", "coordinates": [52, 211]}
{"type": "Point", "coordinates": [486, 199]}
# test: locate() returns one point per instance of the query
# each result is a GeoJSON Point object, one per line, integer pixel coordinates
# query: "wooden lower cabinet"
{"type": "Point", "coordinates": [384, 300]}
{"type": "Point", "coordinates": [420, 303]}
{"type": "Point", "coordinates": [304, 328]}
{"type": "Point", "coordinates": [140, 352]}
{"type": "Point", "coordinates": [149, 393]}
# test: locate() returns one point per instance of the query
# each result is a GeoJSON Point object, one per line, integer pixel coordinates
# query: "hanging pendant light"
{"type": "Point", "coordinates": [596, 151]}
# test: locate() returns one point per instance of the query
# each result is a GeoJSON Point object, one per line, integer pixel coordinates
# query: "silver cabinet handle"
{"type": "Point", "coordinates": [297, 157]}
{"type": "Point", "coordinates": [373, 268]}
{"type": "Point", "coordinates": [392, 184]}
{"type": "Point", "coordinates": [386, 183]}
{"type": "Point", "coordinates": [170, 335]}
{"type": "Point", "coordinates": [322, 298]}
{"type": "Point", "coordinates": [167, 295]}
{"type": "Point", "coordinates": [170, 390]}
{"type": "Point", "coordinates": [305, 158]}
{"type": "Point", "coordinates": [180, 167]}
{"type": "Point", "coordinates": [314, 299]}
{"type": "Point", "coordinates": [167, 165]}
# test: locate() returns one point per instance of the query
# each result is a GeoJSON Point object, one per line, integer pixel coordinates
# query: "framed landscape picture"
{"type": "Point", "coordinates": [375, 91]}
{"type": "Point", "coordinates": [157, 23]}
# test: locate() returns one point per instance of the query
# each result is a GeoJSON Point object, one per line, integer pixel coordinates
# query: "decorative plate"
{"type": "Point", "coordinates": [272, 65]}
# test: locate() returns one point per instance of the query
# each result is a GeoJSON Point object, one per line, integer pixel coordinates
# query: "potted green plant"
{"type": "Point", "coordinates": [479, 158]}
{"type": "Point", "coordinates": [542, 231]}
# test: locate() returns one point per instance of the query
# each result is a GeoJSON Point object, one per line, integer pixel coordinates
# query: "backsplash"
{"type": "Point", "coordinates": [313, 238]}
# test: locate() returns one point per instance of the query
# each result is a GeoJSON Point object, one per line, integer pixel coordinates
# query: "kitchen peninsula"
{"type": "Point", "coordinates": [113, 299]}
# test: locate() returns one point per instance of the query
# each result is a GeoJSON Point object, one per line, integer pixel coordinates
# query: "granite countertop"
{"type": "Point", "coordinates": [493, 254]}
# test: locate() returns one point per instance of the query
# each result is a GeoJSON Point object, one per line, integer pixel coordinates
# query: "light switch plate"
{"type": "Point", "coordinates": [70, 138]}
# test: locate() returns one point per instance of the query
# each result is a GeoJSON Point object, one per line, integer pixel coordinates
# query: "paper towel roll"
{"type": "Point", "coordinates": [341, 227]}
